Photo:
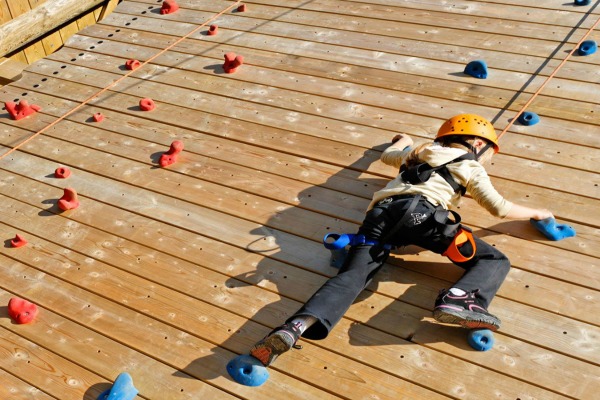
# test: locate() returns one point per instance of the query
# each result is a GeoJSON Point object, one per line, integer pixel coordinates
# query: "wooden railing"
{"type": "Point", "coordinates": [33, 29]}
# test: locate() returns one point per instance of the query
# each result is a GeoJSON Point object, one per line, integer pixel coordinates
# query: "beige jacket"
{"type": "Point", "coordinates": [468, 173]}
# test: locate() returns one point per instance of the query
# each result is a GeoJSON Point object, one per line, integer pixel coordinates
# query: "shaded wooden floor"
{"type": "Point", "coordinates": [168, 273]}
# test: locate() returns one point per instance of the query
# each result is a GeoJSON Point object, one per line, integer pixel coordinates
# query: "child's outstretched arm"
{"type": "Point", "coordinates": [518, 211]}
{"type": "Point", "coordinates": [401, 141]}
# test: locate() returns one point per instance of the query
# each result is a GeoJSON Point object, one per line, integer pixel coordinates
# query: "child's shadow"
{"type": "Point", "coordinates": [289, 274]}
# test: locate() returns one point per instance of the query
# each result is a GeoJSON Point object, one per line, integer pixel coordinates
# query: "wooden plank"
{"type": "Point", "coordinates": [109, 7]}
{"type": "Point", "coordinates": [42, 368]}
{"type": "Point", "coordinates": [10, 70]}
{"type": "Point", "coordinates": [14, 388]}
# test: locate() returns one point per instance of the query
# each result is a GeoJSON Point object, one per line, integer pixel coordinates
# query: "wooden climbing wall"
{"type": "Point", "coordinates": [168, 273]}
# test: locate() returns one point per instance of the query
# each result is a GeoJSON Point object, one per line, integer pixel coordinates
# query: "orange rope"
{"type": "Point", "coordinates": [86, 101]}
{"type": "Point", "coordinates": [512, 121]}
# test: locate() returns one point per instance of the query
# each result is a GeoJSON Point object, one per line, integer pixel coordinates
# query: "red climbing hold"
{"type": "Point", "coordinates": [242, 8]}
{"type": "Point", "coordinates": [147, 104]}
{"type": "Point", "coordinates": [21, 110]}
{"type": "Point", "coordinates": [98, 117]}
{"type": "Point", "coordinates": [69, 201]}
{"type": "Point", "coordinates": [132, 64]}
{"type": "Point", "coordinates": [232, 62]}
{"type": "Point", "coordinates": [18, 241]}
{"type": "Point", "coordinates": [62, 172]}
{"type": "Point", "coordinates": [212, 31]}
{"type": "Point", "coordinates": [21, 311]}
{"type": "Point", "coordinates": [169, 7]}
{"type": "Point", "coordinates": [170, 157]}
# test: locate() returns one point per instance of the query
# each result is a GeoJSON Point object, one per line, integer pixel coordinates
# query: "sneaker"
{"type": "Point", "coordinates": [465, 310]}
{"type": "Point", "coordinates": [275, 343]}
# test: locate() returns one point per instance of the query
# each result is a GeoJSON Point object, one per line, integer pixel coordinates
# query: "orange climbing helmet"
{"type": "Point", "coordinates": [470, 125]}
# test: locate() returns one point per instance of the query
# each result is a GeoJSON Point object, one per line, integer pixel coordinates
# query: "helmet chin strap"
{"type": "Point", "coordinates": [473, 149]}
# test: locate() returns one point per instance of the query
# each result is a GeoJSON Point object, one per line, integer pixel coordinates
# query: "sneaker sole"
{"type": "Point", "coordinates": [267, 350]}
{"type": "Point", "coordinates": [466, 320]}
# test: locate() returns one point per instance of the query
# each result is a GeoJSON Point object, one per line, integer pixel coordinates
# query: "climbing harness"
{"type": "Point", "coordinates": [449, 233]}
{"type": "Point", "coordinates": [421, 173]}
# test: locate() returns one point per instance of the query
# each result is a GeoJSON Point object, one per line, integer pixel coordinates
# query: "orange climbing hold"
{"type": "Point", "coordinates": [18, 241]}
{"type": "Point", "coordinates": [170, 157]}
{"type": "Point", "coordinates": [232, 62]}
{"type": "Point", "coordinates": [21, 311]}
{"type": "Point", "coordinates": [212, 31]}
{"type": "Point", "coordinates": [147, 104]}
{"type": "Point", "coordinates": [62, 172]}
{"type": "Point", "coordinates": [169, 7]}
{"type": "Point", "coordinates": [69, 200]}
{"type": "Point", "coordinates": [98, 117]}
{"type": "Point", "coordinates": [21, 110]}
{"type": "Point", "coordinates": [132, 64]}
{"type": "Point", "coordinates": [242, 8]}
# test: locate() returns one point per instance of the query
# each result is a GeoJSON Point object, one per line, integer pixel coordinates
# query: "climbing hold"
{"type": "Point", "coordinates": [169, 7]}
{"type": "Point", "coordinates": [21, 110]}
{"type": "Point", "coordinates": [582, 2]}
{"type": "Point", "coordinates": [213, 29]}
{"type": "Point", "coordinates": [122, 389]}
{"type": "Point", "coordinates": [21, 311]}
{"type": "Point", "coordinates": [232, 62]}
{"type": "Point", "coordinates": [62, 172]}
{"type": "Point", "coordinates": [147, 104]}
{"type": "Point", "coordinates": [552, 230]}
{"type": "Point", "coordinates": [477, 69]}
{"type": "Point", "coordinates": [18, 241]}
{"type": "Point", "coordinates": [528, 118]}
{"type": "Point", "coordinates": [242, 8]}
{"type": "Point", "coordinates": [588, 47]}
{"type": "Point", "coordinates": [247, 370]}
{"type": "Point", "coordinates": [170, 157]}
{"type": "Point", "coordinates": [481, 339]}
{"type": "Point", "coordinates": [69, 200]}
{"type": "Point", "coordinates": [132, 64]}
{"type": "Point", "coordinates": [98, 117]}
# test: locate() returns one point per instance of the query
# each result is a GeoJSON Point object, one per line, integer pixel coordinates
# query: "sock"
{"type": "Point", "coordinates": [457, 291]}
{"type": "Point", "coordinates": [303, 322]}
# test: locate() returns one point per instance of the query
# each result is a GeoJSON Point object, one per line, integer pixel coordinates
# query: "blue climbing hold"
{"type": "Point", "coordinates": [477, 69]}
{"type": "Point", "coordinates": [122, 389]}
{"type": "Point", "coordinates": [481, 339]}
{"type": "Point", "coordinates": [552, 230]}
{"type": "Point", "coordinates": [528, 118]}
{"type": "Point", "coordinates": [247, 370]}
{"type": "Point", "coordinates": [582, 2]}
{"type": "Point", "coordinates": [588, 47]}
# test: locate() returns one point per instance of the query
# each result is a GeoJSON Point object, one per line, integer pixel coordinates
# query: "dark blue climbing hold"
{"type": "Point", "coordinates": [528, 118]}
{"type": "Point", "coordinates": [481, 339]}
{"type": "Point", "coordinates": [582, 2]}
{"type": "Point", "coordinates": [477, 69]}
{"type": "Point", "coordinates": [122, 389]}
{"type": "Point", "coordinates": [588, 47]}
{"type": "Point", "coordinates": [247, 370]}
{"type": "Point", "coordinates": [552, 230]}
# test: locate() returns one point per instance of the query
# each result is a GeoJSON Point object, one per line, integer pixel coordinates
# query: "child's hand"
{"type": "Point", "coordinates": [542, 213]}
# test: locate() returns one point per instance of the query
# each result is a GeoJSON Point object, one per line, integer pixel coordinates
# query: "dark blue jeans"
{"type": "Point", "coordinates": [485, 271]}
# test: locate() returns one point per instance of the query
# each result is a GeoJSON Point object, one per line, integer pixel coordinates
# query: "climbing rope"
{"type": "Point", "coordinates": [86, 101]}
{"type": "Point", "coordinates": [538, 91]}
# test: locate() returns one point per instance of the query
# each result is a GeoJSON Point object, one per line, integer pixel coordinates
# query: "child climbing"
{"type": "Point", "coordinates": [414, 209]}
